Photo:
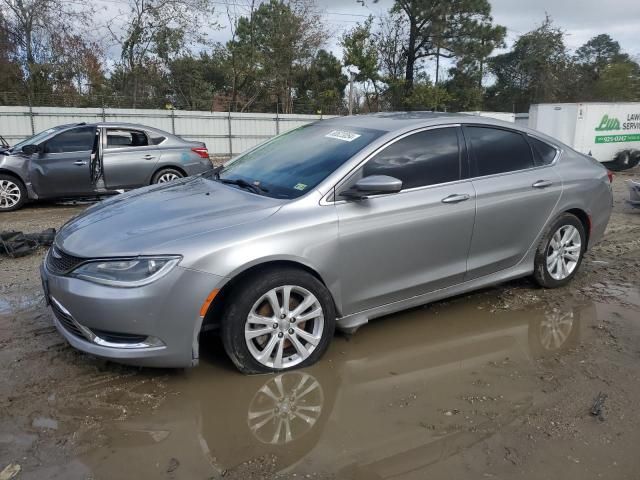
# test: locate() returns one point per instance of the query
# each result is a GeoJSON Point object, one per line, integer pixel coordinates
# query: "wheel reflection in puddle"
{"type": "Point", "coordinates": [285, 408]}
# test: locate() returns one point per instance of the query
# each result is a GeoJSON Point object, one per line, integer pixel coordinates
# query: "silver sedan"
{"type": "Point", "coordinates": [94, 159]}
{"type": "Point", "coordinates": [329, 225]}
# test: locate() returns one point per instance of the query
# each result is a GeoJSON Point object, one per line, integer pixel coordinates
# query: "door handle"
{"type": "Point", "coordinates": [148, 157]}
{"type": "Point", "coordinates": [542, 184]}
{"type": "Point", "coordinates": [80, 162]}
{"type": "Point", "coordinates": [456, 198]}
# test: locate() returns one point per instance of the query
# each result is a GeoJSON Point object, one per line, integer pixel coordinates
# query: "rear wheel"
{"type": "Point", "coordinates": [166, 175]}
{"type": "Point", "coordinates": [623, 160]}
{"type": "Point", "coordinates": [560, 252]}
{"type": "Point", "coordinates": [13, 195]}
{"type": "Point", "coordinates": [278, 320]}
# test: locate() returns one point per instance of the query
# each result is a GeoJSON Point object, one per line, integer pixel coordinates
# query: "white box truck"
{"type": "Point", "coordinates": [609, 132]}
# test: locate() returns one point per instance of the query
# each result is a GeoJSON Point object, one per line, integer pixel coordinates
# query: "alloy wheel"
{"type": "Point", "coordinates": [284, 326]}
{"type": "Point", "coordinates": [168, 177]}
{"type": "Point", "coordinates": [9, 194]}
{"type": "Point", "coordinates": [563, 252]}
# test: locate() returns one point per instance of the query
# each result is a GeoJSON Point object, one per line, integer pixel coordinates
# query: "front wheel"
{"type": "Point", "coordinates": [560, 252]}
{"type": "Point", "coordinates": [13, 195]}
{"type": "Point", "coordinates": [278, 320]}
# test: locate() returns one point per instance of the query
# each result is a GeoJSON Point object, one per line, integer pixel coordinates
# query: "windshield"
{"type": "Point", "coordinates": [292, 164]}
{"type": "Point", "coordinates": [35, 139]}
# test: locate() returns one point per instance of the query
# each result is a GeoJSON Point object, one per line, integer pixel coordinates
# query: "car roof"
{"type": "Point", "coordinates": [401, 122]}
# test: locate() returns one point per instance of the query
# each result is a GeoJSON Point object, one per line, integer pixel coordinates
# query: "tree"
{"type": "Point", "coordinates": [320, 86]}
{"type": "Point", "coordinates": [157, 31]}
{"type": "Point", "coordinates": [360, 49]}
{"type": "Point", "coordinates": [601, 64]}
{"type": "Point", "coordinates": [269, 48]}
{"type": "Point", "coordinates": [442, 29]}
{"type": "Point", "coordinates": [534, 71]}
{"type": "Point", "coordinates": [194, 80]}
{"type": "Point", "coordinates": [39, 31]}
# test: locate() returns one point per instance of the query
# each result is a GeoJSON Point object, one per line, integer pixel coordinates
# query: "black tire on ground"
{"type": "Point", "coordinates": [166, 172]}
{"type": "Point", "coordinates": [623, 161]}
{"type": "Point", "coordinates": [11, 183]}
{"type": "Point", "coordinates": [541, 273]}
{"type": "Point", "coordinates": [246, 294]}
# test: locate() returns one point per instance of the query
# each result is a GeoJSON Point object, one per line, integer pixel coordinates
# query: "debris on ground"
{"type": "Point", "coordinates": [18, 244]}
{"type": "Point", "coordinates": [10, 471]}
{"type": "Point", "coordinates": [598, 405]}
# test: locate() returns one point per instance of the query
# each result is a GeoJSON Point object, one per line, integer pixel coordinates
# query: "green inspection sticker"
{"type": "Point", "coordinates": [300, 186]}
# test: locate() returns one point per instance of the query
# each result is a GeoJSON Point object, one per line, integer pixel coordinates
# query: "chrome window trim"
{"type": "Point", "coordinates": [325, 199]}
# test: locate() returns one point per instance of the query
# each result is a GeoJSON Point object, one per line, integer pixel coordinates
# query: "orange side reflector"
{"type": "Point", "coordinates": [207, 302]}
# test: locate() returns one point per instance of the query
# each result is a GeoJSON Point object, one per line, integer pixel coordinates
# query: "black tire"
{"type": "Point", "coordinates": [541, 273]}
{"type": "Point", "coordinates": [15, 182]}
{"type": "Point", "coordinates": [242, 300]}
{"type": "Point", "coordinates": [623, 160]}
{"type": "Point", "coordinates": [157, 177]}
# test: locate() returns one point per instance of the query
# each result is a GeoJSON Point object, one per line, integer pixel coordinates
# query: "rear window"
{"type": "Point", "coordinates": [118, 138]}
{"type": "Point", "coordinates": [544, 153]}
{"type": "Point", "coordinates": [498, 151]}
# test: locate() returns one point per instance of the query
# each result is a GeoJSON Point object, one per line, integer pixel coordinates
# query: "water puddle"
{"type": "Point", "coordinates": [404, 393]}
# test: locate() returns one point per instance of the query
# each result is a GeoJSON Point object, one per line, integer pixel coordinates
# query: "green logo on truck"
{"type": "Point", "coordinates": [608, 123]}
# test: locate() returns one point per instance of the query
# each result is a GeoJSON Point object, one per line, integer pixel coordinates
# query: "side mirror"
{"type": "Point", "coordinates": [30, 149]}
{"type": "Point", "coordinates": [373, 185]}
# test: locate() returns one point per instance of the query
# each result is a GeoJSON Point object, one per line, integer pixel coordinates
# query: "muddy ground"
{"type": "Point", "coordinates": [497, 384]}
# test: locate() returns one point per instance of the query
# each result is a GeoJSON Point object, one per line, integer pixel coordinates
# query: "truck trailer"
{"type": "Point", "coordinates": [609, 132]}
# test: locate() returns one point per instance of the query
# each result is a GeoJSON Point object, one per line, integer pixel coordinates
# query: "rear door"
{"type": "Point", "coordinates": [128, 159]}
{"type": "Point", "coordinates": [62, 168]}
{"type": "Point", "coordinates": [396, 246]}
{"type": "Point", "coordinates": [515, 196]}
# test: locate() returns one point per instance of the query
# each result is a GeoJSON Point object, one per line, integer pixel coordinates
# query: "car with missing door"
{"type": "Point", "coordinates": [328, 225]}
{"type": "Point", "coordinates": [80, 160]}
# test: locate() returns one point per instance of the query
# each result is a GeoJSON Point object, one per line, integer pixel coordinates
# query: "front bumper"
{"type": "Point", "coordinates": [156, 325]}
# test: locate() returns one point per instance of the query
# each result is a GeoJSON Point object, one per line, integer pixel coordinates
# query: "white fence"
{"type": "Point", "coordinates": [224, 133]}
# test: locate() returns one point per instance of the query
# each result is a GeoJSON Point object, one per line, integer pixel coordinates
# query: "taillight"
{"type": "Point", "coordinates": [610, 175]}
{"type": "Point", "coordinates": [201, 151]}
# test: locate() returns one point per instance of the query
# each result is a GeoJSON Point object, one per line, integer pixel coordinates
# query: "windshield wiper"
{"type": "Point", "coordinates": [243, 184]}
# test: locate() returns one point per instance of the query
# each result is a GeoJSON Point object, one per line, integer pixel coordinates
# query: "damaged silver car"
{"type": "Point", "coordinates": [80, 160]}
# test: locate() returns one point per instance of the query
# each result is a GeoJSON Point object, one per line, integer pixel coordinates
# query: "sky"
{"type": "Point", "coordinates": [580, 19]}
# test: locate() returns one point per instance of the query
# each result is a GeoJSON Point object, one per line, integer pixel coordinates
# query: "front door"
{"type": "Point", "coordinates": [62, 168]}
{"type": "Point", "coordinates": [128, 158]}
{"type": "Point", "coordinates": [396, 246]}
{"type": "Point", "coordinates": [515, 198]}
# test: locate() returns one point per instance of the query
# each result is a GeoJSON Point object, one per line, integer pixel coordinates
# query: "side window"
{"type": "Point", "coordinates": [498, 151]}
{"type": "Point", "coordinates": [543, 152]}
{"type": "Point", "coordinates": [424, 158]}
{"type": "Point", "coordinates": [75, 140]}
{"type": "Point", "coordinates": [120, 137]}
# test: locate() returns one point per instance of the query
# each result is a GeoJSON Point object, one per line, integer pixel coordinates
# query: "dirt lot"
{"type": "Point", "coordinates": [498, 384]}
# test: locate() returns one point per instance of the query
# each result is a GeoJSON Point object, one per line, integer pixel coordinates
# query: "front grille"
{"type": "Point", "coordinates": [66, 321]}
{"type": "Point", "coordinates": [59, 262]}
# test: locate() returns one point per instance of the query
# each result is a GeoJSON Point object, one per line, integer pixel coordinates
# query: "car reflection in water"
{"type": "Point", "coordinates": [386, 403]}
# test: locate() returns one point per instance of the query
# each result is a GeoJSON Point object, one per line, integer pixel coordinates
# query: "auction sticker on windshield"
{"type": "Point", "coordinates": [342, 135]}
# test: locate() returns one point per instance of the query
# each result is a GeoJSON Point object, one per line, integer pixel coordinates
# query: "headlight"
{"type": "Point", "coordinates": [126, 272]}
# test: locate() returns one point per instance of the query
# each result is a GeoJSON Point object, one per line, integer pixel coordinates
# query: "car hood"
{"type": "Point", "coordinates": [140, 222]}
